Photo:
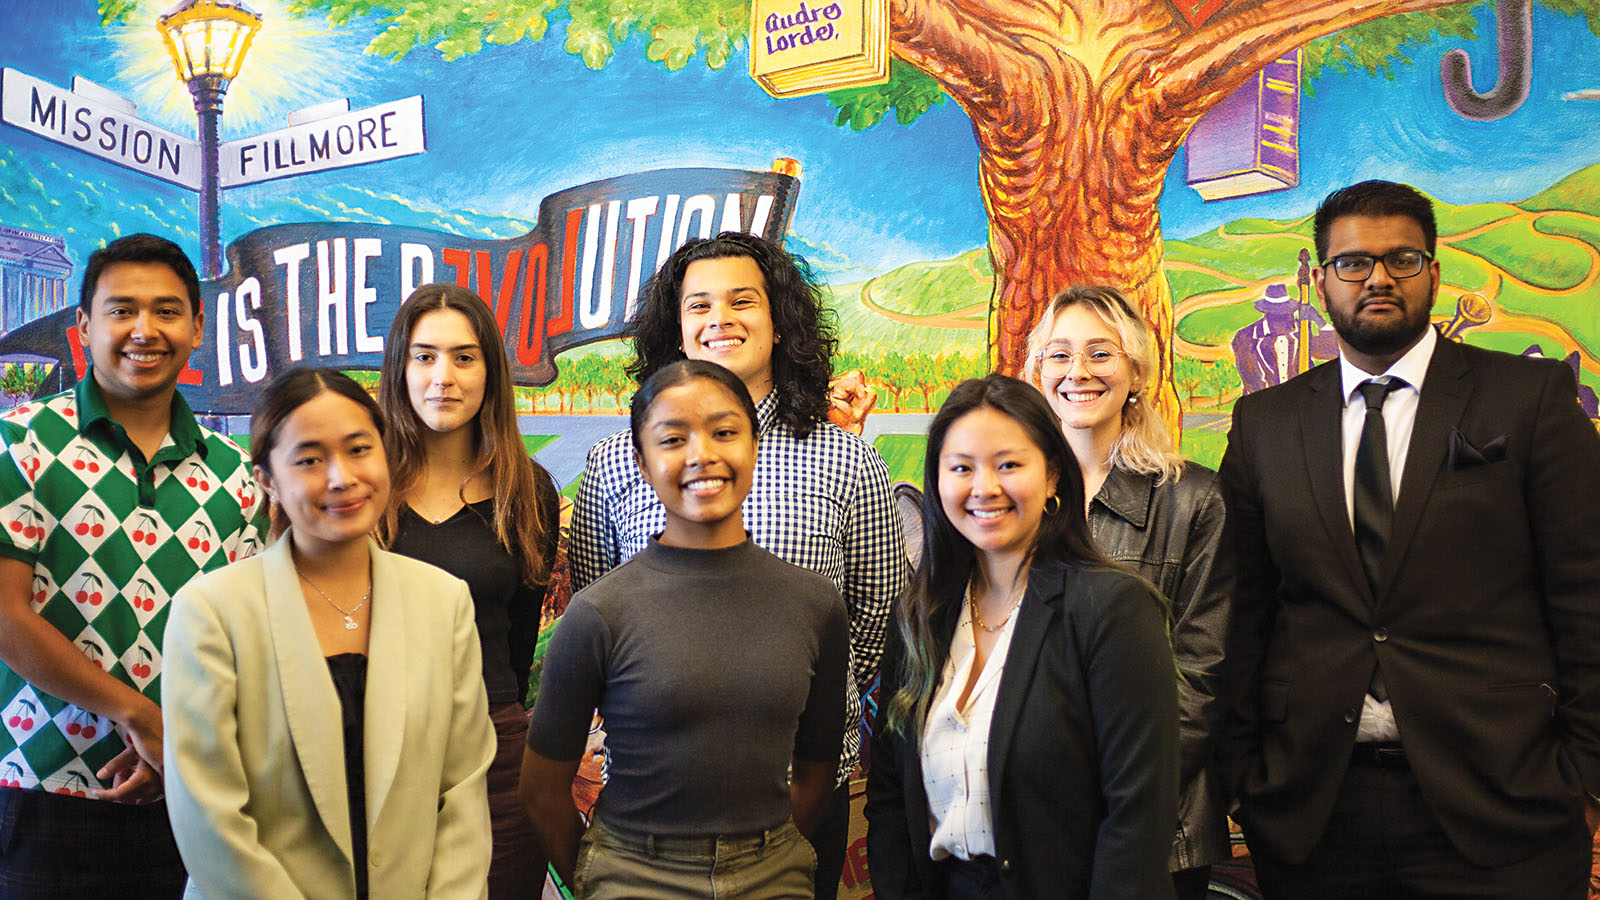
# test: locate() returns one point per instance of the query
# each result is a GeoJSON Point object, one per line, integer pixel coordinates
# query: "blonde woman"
{"type": "Point", "coordinates": [1095, 360]}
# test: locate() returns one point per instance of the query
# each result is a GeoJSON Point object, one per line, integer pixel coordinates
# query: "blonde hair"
{"type": "Point", "coordinates": [1144, 446]}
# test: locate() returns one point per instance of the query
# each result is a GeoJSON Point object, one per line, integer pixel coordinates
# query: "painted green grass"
{"type": "Point", "coordinates": [1204, 445]}
{"type": "Point", "coordinates": [1268, 226]}
{"type": "Point", "coordinates": [935, 288]}
{"type": "Point", "coordinates": [1216, 325]}
{"type": "Point", "coordinates": [1579, 191]}
{"type": "Point", "coordinates": [537, 442]}
{"type": "Point", "coordinates": [1459, 219]}
{"type": "Point", "coordinates": [903, 453]}
{"type": "Point", "coordinates": [1462, 269]}
{"type": "Point", "coordinates": [1572, 225]}
{"type": "Point", "coordinates": [1578, 314]}
{"type": "Point", "coordinates": [1246, 259]}
{"type": "Point", "coordinates": [1184, 285]}
{"type": "Point", "coordinates": [866, 332]}
{"type": "Point", "coordinates": [1530, 256]}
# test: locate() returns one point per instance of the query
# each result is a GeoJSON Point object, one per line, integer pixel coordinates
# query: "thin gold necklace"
{"type": "Point", "coordinates": [1016, 600]}
{"type": "Point", "coordinates": [350, 623]}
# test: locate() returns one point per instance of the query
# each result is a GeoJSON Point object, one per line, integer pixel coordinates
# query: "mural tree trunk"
{"type": "Point", "coordinates": [1078, 107]}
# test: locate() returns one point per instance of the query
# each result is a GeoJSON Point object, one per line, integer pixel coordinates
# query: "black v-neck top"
{"type": "Point", "coordinates": [506, 610]}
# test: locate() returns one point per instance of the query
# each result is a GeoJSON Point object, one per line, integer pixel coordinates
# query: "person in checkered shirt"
{"type": "Point", "coordinates": [113, 497]}
{"type": "Point", "coordinates": [821, 496]}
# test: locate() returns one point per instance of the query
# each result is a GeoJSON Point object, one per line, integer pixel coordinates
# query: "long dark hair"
{"type": "Point", "coordinates": [948, 558]}
{"type": "Point", "coordinates": [287, 393]}
{"type": "Point", "coordinates": [802, 361]}
{"type": "Point", "coordinates": [518, 517]}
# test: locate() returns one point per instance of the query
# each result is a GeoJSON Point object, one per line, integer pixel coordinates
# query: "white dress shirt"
{"type": "Point", "coordinates": [1399, 418]}
{"type": "Point", "coordinates": [955, 745]}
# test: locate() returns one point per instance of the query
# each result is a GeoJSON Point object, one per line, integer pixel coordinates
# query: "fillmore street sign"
{"type": "Point", "coordinates": [325, 293]}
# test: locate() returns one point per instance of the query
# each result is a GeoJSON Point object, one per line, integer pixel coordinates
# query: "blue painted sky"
{"type": "Point", "coordinates": [512, 124]}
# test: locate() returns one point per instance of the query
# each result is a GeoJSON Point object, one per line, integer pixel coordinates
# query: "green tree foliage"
{"type": "Point", "coordinates": [675, 31]}
{"type": "Point", "coordinates": [1378, 45]}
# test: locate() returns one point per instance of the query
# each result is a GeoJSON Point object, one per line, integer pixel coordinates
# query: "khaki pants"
{"type": "Point", "coordinates": [775, 864]}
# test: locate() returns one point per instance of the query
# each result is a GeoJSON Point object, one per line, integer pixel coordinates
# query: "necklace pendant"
{"type": "Point", "coordinates": [350, 623]}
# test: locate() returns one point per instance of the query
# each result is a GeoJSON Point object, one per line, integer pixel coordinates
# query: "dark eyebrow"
{"type": "Point", "coordinates": [742, 289]}
{"type": "Point", "coordinates": [716, 416]}
{"type": "Point", "coordinates": [415, 345]}
{"type": "Point", "coordinates": [167, 298]}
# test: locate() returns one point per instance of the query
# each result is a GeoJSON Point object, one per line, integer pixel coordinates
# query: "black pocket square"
{"type": "Point", "coordinates": [1463, 455]}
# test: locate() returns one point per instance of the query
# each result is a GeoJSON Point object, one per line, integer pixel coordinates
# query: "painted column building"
{"type": "Point", "coordinates": [34, 270]}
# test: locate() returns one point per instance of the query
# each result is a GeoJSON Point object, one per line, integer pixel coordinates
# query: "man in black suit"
{"type": "Point", "coordinates": [1417, 612]}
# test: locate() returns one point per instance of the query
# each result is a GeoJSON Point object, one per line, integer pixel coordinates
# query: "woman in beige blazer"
{"type": "Point", "coordinates": [288, 775]}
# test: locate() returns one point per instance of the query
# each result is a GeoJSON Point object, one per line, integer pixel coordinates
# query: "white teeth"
{"type": "Point", "coordinates": [987, 513]}
{"type": "Point", "coordinates": [1077, 397]}
{"type": "Point", "coordinates": [143, 357]}
{"type": "Point", "coordinates": [723, 343]}
{"type": "Point", "coordinates": [705, 484]}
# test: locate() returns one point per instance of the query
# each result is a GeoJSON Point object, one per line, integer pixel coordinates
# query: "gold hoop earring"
{"type": "Point", "coordinates": [1052, 510]}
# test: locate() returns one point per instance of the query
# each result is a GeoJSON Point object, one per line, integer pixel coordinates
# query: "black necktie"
{"type": "Point", "coordinates": [1374, 496]}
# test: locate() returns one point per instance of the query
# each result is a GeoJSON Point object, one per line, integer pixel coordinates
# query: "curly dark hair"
{"type": "Point", "coordinates": [802, 362]}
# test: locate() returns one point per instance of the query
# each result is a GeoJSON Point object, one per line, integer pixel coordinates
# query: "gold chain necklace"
{"type": "Point", "coordinates": [1016, 600]}
{"type": "Point", "coordinates": [350, 623]}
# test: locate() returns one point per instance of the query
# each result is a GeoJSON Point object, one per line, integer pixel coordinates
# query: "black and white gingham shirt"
{"type": "Point", "coordinates": [822, 503]}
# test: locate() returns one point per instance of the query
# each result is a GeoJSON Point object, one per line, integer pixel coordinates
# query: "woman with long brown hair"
{"type": "Point", "coordinates": [468, 499]}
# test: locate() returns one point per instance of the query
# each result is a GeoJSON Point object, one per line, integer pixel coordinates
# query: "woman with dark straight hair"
{"type": "Point", "coordinates": [326, 735]}
{"type": "Point", "coordinates": [1027, 738]}
{"type": "Point", "coordinates": [468, 499]}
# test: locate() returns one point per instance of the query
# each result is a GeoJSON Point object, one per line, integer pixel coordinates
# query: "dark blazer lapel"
{"type": "Point", "coordinates": [1321, 431]}
{"type": "Point", "coordinates": [1035, 619]}
{"type": "Point", "coordinates": [309, 701]}
{"type": "Point", "coordinates": [1445, 392]}
{"type": "Point", "coordinates": [387, 682]}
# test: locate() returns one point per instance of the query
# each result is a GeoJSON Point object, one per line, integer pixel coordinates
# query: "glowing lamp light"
{"type": "Point", "coordinates": [208, 37]}
{"type": "Point", "coordinates": [208, 40]}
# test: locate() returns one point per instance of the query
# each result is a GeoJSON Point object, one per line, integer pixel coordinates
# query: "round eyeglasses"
{"type": "Point", "coordinates": [1055, 362]}
{"type": "Point", "coordinates": [1358, 266]}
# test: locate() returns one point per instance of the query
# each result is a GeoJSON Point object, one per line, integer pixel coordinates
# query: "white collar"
{"type": "Point", "coordinates": [1410, 368]}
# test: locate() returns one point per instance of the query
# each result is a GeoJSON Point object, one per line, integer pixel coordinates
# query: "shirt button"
{"type": "Point", "coordinates": [375, 859]}
{"type": "Point", "coordinates": [1350, 716]}
{"type": "Point", "coordinates": [1005, 867]}
{"type": "Point", "coordinates": [1380, 635]}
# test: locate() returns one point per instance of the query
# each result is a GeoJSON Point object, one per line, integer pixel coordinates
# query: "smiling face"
{"type": "Point", "coordinates": [327, 472]}
{"type": "Point", "coordinates": [139, 330]}
{"type": "Point", "coordinates": [1080, 400]}
{"type": "Point", "coordinates": [1382, 317]}
{"type": "Point", "coordinates": [993, 484]}
{"type": "Point", "coordinates": [445, 371]}
{"type": "Point", "coordinates": [726, 318]}
{"type": "Point", "coordinates": [698, 450]}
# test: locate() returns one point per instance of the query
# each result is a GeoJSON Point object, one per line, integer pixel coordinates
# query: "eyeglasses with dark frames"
{"type": "Point", "coordinates": [1403, 263]}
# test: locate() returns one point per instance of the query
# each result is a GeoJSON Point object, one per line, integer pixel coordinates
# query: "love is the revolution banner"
{"type": "Point", "coordinates": [324, 293]}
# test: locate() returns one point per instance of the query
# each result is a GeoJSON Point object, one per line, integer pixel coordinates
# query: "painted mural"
{"type": "Point", "coordinates": [549, 153]}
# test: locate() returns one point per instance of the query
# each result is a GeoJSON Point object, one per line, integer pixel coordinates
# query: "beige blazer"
{"type": "Point", "coordinates": [254, 747]}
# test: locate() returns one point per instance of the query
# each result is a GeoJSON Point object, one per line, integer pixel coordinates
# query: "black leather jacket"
{"type": "Point", "coordinates": [1169, 534]}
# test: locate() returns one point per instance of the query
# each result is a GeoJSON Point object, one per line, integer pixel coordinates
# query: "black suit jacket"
{"type": "Point", "coordinates": [1486, 622]}
{"type": "Point", "coordinates": [1083, 751]}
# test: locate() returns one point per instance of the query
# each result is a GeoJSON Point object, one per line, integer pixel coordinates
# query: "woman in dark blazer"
{"type": "Point", "coordinates": [1027, 739]}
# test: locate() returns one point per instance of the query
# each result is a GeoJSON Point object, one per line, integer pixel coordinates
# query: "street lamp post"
{"type": "Point", "coordinates": [208, 40]}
